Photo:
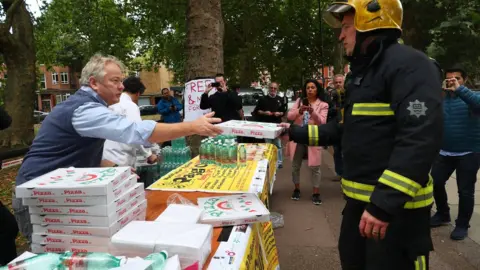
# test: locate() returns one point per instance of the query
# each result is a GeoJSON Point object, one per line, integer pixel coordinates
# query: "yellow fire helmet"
{"type": "Point", "coordinates": [369, 14]}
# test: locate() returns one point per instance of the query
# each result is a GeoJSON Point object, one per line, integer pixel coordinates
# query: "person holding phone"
{"type": "Point", "coordinates": [460, 151]}
{"type": "Point", "coordinates": [312, 109]}
{"type": "Point", "coordinates": [226, 104]}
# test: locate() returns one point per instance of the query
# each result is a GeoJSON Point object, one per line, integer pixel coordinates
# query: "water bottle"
{"type": "Point", "coordinates": [88, 261]}
{"type": "Point", "coordinates": [242, 155]}
{"type": "Point", "coordinates": [218, 154]}
{"type": "Point", "coordinates": [159, 260]}
{"type": "Point", "coordinates": [188, 153]}
{"type": "Point", "coordinates": [232, 155]}
{"type": "Point", "coordinates": [45, 261]}
{"type": "Point", "coordinates": [203, 153]}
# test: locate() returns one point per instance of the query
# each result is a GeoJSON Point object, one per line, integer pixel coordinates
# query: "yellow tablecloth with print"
{"type": "Point", "coordinates": [256, 248]}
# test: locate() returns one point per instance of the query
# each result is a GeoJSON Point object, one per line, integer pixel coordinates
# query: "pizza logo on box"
{"type": "Point", "coordinates": [223, 206]}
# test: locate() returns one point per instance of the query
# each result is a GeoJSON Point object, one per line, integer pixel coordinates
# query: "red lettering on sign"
{"type": "Point", "coordinates": [258, 133]}
{"type": "Point", "coordinates": [70, 200]}
{"type": "Point", "coordinates": [237, 131]}
{"type": "Point", "coordinates": [79, 250]}
{"type": "Point", "coordinates": [54, 250]}
{"type": "Point", "coordinates": [123, 211]}
{"type": "Point", "coordinates": [201, 86]}
{"type": "Point", "coordinates": [193, 87]}
{"type": "Point", "coordinates": [122, 201]}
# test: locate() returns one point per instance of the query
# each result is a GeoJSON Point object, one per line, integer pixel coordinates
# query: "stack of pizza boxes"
{"type": "Point", "coordinates": [79, 209]}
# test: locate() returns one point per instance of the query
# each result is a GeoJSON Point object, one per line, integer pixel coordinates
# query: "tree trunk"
{"type": "Point", "coordinates": [18, 50]}
{"type": "Point", "coordinates": [339, 60]}
{"type": "Point", "coordinates": [204, 45]}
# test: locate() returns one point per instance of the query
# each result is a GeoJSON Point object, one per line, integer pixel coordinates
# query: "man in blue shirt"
{"type": "Point", "coordinates": [169, 107]}
{"type": "Point", "coordinates": [74, 133]}
{"type": "Point", "coordinates": [460, 152]}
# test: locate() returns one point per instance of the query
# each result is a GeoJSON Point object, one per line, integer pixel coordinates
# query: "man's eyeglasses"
{"type": "Point", "coordinates": [273, 88]}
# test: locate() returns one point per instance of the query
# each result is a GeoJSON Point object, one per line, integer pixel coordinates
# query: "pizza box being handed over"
{"type": "Point", "coordinates": [251, 129]}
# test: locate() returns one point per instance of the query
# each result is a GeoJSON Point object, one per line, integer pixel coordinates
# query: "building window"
{"type": "Point", "coordinates": [46, 105]}
{"type": "Point", "coordinates": [42, 82]}
{"type": "Point", "coordinates": [64, 77]}
{"type": "Point", "coordinates": [55, 78]}
{"type": "Point", "coordinates": [66, 96]}
{"type": "Point", "coordinates": [59, 99]}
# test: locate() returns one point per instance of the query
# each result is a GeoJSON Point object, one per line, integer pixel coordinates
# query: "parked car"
{"type": "Point", "coordinates": [250, 97]}
{"type": "Point", "coordinates": [147, 109]}
{"type": "Point", "coordinates": [39, 116]}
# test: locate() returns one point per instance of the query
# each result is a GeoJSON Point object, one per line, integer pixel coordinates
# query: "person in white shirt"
{"type": "Point", "coordinates": [120, 154]}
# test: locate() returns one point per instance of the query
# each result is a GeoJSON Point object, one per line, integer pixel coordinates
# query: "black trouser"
{"type": "Point", "coordinates": [8, 233]}
{"type": "Point", "coordinates": [406, 245]}
{"type": "Point", "coordinates": [338, 159]}
{"type": "Point", "coordinates": [466, 167]}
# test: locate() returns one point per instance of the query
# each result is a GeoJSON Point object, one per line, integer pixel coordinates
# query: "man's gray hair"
{"type": "Point", "coordinates": [96, 67]}
{"type": "Point", "coordinates": [339, 75]}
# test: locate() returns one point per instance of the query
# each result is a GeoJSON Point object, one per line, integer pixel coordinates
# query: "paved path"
{"type": "Point", "coordinates": [309, 238]}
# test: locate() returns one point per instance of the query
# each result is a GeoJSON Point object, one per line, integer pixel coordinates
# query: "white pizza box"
{"type": "Point", "coordinates": [233, 210]}
{"type": "Point", "coordinates": [180, 213]}
{"type": "Point", "coordinates": [65, 239]}
{"type": "Point", "coordinates": [191, 242]}
{"type": "Point", "coordinates": [83, 220]}
{"type": "Point", "coordinates": [75, 182]}
{"type": "Point", "coordinates": [57, 248]}
{"type": "Point", "coordinates": [134, 191]}
{"type": "Point", "coordinates": [98, 210]}
{"type": "Point", "coordinates": [132, 215]}
{"type": "Point", "coordinates": [251, 129]}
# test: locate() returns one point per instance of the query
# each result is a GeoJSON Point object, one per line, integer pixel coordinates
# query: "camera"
{"type": "Point", "coordinates": [215, 84]}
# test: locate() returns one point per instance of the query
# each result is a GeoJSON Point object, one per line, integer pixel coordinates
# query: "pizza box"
{"type": "Point", "coordinates": [58, 248]}
{"type": "Point", "coordinates": [89, 230]}
{"type": "Point", "coordinates": [84, 220]}
{"type": "Point", "coordinates": [132, 192]}
{"type": "Point", "coordinates": [75, 182]}
{"type": "Point", "coordinates": [251, 129]}
{"type": "Point", "coordinates": [96, 210]}
{"type": "Point", "coordinates": [65, 239]}
{"type": "Point", "coordinates": [233, 210]}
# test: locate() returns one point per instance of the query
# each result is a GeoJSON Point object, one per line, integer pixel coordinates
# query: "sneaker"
{"type": "Point", "coordinates": [296, 195]}
{"type": "Point", "coordinates": [316, 199]}
{"type": "Point", "coordinates": [459, 233]}
{"type": "Point", "coordinates": [438, 220]}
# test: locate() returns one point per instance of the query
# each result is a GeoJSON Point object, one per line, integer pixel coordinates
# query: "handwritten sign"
{"type": "Point", "coordinates": [193, 94]}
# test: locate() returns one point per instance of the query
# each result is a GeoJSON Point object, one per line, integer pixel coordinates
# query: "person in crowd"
{"type": "Point", "coordinates": [226, 104]}
{"type": "Point", "coordinates": [8, 224]}
{"type": "Point", "coordinates": [391, 135]}
{"type": "Point", "coordinates": [271, 109]}
{"type": "Point", "coordinates": [120, 154]}
{"type": "Point", "coordinates": [74, 133]}
{"type": "Point", "coordinates": [339, 100]}
{"type": "Point", "coordinates": [169, 107]}
{"type": "Point", "coordinates": [460, 151]}
{"type": "Point", "coordinates": [312, 109]}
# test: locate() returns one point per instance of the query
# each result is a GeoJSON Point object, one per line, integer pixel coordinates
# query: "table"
{"type": "Point", "coordinates": [259, 250]}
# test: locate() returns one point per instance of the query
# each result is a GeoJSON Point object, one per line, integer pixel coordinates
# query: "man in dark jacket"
{"type": "Point", "coordinates": [226, 104]}
{"type": "Point", "coordinates": [271, 109]}
{"type": "Point", "coordinates": [8, 224]}
{"type": "Point", "coordinates": [460, 152]}
{"type": "Point", "coordinates": [391, 135]}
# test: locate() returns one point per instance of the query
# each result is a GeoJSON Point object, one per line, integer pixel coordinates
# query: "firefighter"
{"type": "Point", "coordinates": [391, 134]}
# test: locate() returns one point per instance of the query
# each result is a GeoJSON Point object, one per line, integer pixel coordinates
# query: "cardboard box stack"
{"type": "Point", "coordinates": [79, 209]}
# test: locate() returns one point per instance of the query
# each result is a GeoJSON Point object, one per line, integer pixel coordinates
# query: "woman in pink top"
{"type": "Point", "coordinates": [309, 110]}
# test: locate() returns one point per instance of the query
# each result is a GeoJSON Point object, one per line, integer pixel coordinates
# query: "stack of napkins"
{"type": "Point", "coordinates": [233, 210]}
{"type": "Point", "coordinates": [79, 209]}
{"type": "Point", "coordinates": [191, 242]}
{"type": "Point", "coordinates": [180, 213]}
